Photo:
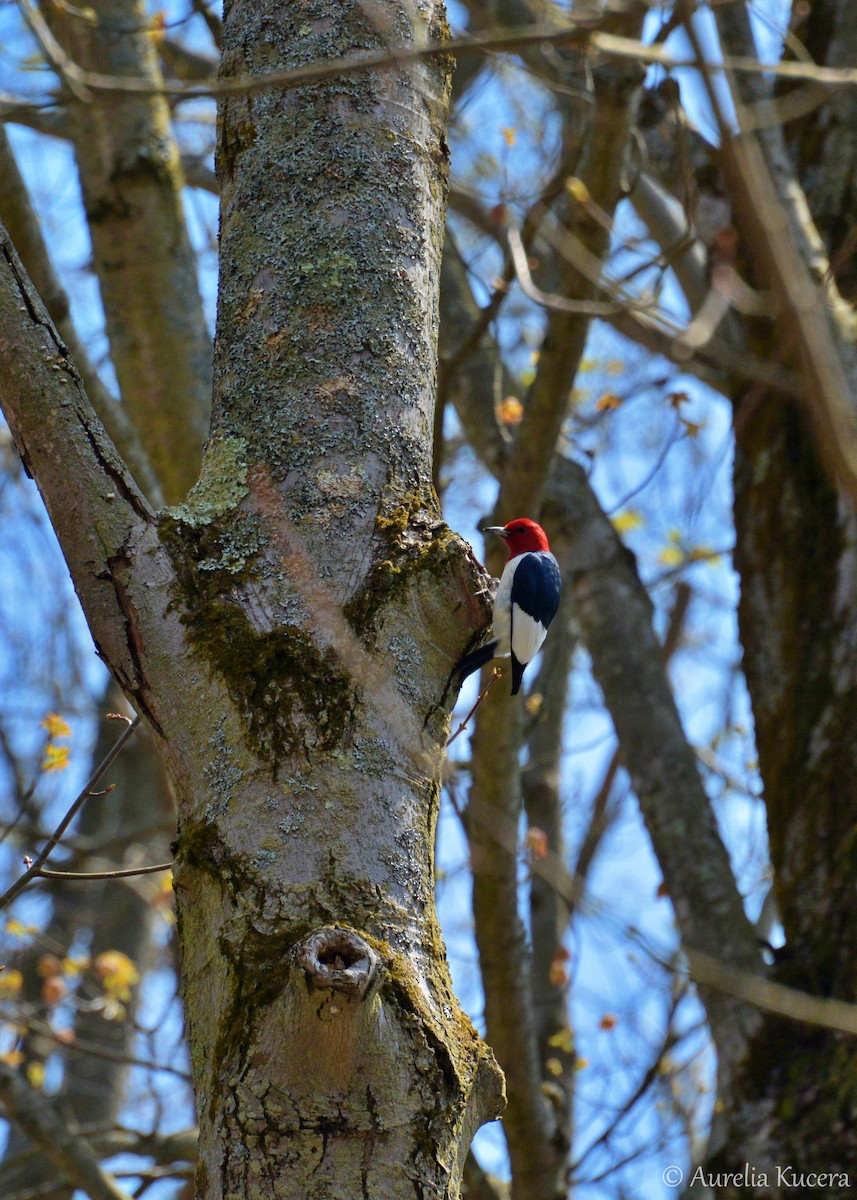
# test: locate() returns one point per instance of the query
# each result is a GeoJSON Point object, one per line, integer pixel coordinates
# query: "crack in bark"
{"type": "Point", "coordinates": [33, 304]}
{"type": "Point", "coordinates": [138, 686]}
{"type": "Point", "coordinates": [128, 494]}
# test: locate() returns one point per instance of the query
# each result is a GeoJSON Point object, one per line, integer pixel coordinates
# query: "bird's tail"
{"type": "Point", "coordinates": [474, 660]}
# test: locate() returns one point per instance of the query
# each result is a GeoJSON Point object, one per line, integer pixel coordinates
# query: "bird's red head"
{"type": "Point", "coordinates": [521, 536]}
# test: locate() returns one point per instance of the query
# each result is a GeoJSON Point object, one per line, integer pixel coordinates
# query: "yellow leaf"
{"type": "Point", "coordinates": [692, 428]}
{"type": "Point", "coordinates": [562, 1040]}
{"type": "Point", "coordinates": [588, 364]}
{"type": "Point", "coordinates": [36, 1074]}
{"type": "Point", "coordinates": [11, 982]}
{"type": "Point", "coordinates": [74, 966]}
{"type": "Point", "coordinates": [12, 1058]}
{"type": "Point", "coordinates": [56, 757]}
{"type": "Point", "coordinates": [56, 726]}
{"type": "Point", "coordinates": [164, 895]}
{"type": "Point", "coordinates": [533, 703]}
{"type": "Point", "coordinates": [509, 135]}
{"type": "Point", "coordinates": [117, 974]}
{"type": "Point", "coordinates": [578, 190]}
{"type": "Point", "coordinates": [17, 929]}
{"type": "Point", "coordinates": [630, 519]}
{"type": "Point", "coordinates": [615, 366]}
{"type": "Point", "coordinates": [163, 899]}
{"type": "Point", "coordinates": [671, 556]}
{"type": "Point", "coordinates": [607, 401]}
{"type": "Point", "coordinates": [581, 1064]}
{"type": "Point", "coordinates": [703, 553]}
{"type": "Point", "coordinates": [553, 1066]}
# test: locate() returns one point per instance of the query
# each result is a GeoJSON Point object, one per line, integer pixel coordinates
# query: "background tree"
{"type": "Point", "coordinates": [645, 275]}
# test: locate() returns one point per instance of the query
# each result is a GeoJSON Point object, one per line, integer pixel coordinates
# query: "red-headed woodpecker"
{"type": "Point", "coordinates": [525, 603]}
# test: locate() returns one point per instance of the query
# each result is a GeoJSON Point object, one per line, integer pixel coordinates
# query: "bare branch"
{"type": "Point", "coordinates": [131, 181]}
{"type": "Point", "coordinates": [91, 1049]}
{"type": "Point", "coordinates": [56, 1140]}
{"type": "Point", "coordinates": [68, 71]}
{"type": "Point", "coordinates": [93, 502]}
{"type": "Point", "coordinates": [579, 34]}
{"type": "Point", "coordinates": [212, 20]}
{"type": "Point", "coordinates": [774, 217]}
{"type": "Point", "coordinates": [589, 308]}
{"type": "Point", "coordinates": [35, 869]}
{"type": "Point", "coordinates": [466, 370]}
{"type": "Point", "coordinates": [122, 873]}
{"type": "Point", "coordinates": [667, 223]}
{"type": "Point", "coordinates": [390, 57]}
{"type": "Point", "coordinates": [493, 812]}
{"type": "Point", "coordinates": [615, 615]}
{"type": "Point", "coordinates": [825, 1012]}
{"type": "Point", "coordinates": [23, 227]}
{"type": "Point", "coordinates": [583, 224]}
{"type": "Point", "coordinates": [495, 675]}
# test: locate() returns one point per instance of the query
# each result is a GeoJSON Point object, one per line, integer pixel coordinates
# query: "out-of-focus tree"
{"type": "Point", "coordinates": [646, 341]}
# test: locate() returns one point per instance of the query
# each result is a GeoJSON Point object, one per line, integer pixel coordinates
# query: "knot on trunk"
{"type": "Point", "coordinates": [337, 960]}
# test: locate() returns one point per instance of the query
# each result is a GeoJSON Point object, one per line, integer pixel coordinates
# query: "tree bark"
{"type": "Point", "coordinates": [288, 631]}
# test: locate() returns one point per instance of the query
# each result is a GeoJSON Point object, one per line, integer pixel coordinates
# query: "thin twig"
{"type": "Point", "coordinates": [592, 308]}
{"type": "Point", "coordinates": [496, 674]}
{"type": "Point", "coordinates": [34, 869]}
{"type": "Point", "coordinates": [90, 1049]}
{"type": "Point", "coordinates": [668, 1042]}
{"type": "Point", "coordinates": [124, 873]}
{"type": "Point", "coordinates": [388, 57]}
{"type": "Point", "coordinates": [502, 40]}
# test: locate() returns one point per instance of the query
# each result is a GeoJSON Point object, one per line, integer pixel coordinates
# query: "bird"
{"type": "Point", "coordinates": [525, 603]}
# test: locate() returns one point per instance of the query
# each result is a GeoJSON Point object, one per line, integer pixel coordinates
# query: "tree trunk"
{"type": "Point", "coordinates": [289, 630]}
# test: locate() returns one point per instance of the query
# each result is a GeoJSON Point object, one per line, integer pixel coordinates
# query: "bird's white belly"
{"type": "Point", "coordinates": [515, 630]}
